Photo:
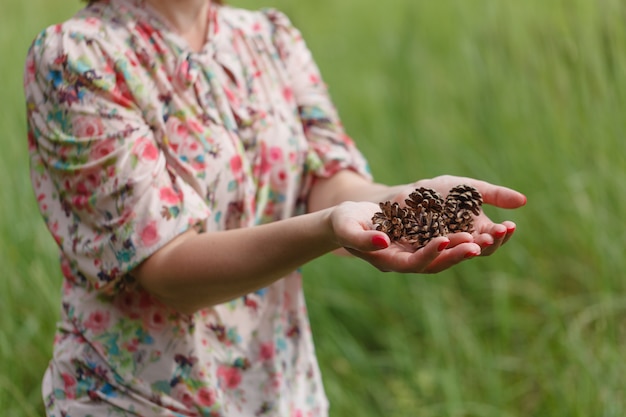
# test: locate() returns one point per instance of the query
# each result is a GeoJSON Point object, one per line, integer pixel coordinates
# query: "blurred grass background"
{"type": "Point", "coordinates": [526, 94]}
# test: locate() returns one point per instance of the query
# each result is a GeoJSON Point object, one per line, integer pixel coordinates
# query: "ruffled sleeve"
{"type": "Point", "coordinates": [104, 187]}
{"type": "Point", "coordinates": [331, 149]}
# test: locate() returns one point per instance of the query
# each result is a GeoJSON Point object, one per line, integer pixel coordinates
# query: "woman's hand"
{"type": "Point", "coordinates": [488, 235]}
{"type": "Point", "coordinates": [353, 229]}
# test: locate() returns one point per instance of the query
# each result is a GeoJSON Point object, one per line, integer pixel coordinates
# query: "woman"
{"type": "Point", "coordinates": [188, 160]}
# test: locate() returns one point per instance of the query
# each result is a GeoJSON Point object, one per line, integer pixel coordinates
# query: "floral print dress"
{"type": "Point", "coordinates": [134, 139]}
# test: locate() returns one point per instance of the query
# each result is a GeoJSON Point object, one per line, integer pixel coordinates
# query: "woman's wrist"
{"type": "Point", "coordinates": [328, 228]}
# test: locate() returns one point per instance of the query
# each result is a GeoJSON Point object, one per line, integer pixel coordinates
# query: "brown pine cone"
{"type": "Point", "coordinates": [462, 204]}
{"type": "Point", "coordinates": [427, 215]}
{"type": "Point", "coordinates": [391, 219]}
{"type": "Point", "coordinates": [425, 200]}
{"type": "Point", "coordinates": [420, 229]}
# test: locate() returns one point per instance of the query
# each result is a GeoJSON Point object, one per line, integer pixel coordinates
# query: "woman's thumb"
{"type": "Point", "coordinates": [379, 241]}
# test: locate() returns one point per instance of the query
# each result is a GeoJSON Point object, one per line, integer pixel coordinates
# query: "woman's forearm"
{"type": "Point", "coordinates": [199, 270]}
{"type": "Point", "coordinates": [348, 186]}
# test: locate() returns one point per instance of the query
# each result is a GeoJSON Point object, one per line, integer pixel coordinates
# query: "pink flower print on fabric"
{"type": "Point", "coordinates": [102, 148]}
{"type": "Point", "coordinates": [236, 166]}
{"type": "Point", "coordinates": [98, 321]}
{"type": "Point", "coordinates": [69, 384]}
{"type": "Point", "coordinates": [275, 154]}
{"type": "Point", "coordinates": [265, 163]}
{"type": "Point", "coordinates": [181, 393]}
{"type": "Point", "coordinates": [229, 376]}
{"type": "Point", "coordinates": [66, 268]}
{"type": "Point", "coordinates": [178, 128]}
{"type": "Point", "coordinates": [154, 319]}
{"type": "Point", "coordinates": [266, 352]}
{"type": "Point", "coordinates": [149, 235]}
{"type": "Point", "coordinates": [81, 202]}
{"type": "Point", "coordinates": [183, 77]}
{"type": "Point", "coordinates": [195, 125]}
{"type": "Point", "coordinates": [206, 396]}
{"type": "Point", "coordinates": [88, 127]}
{"type": "Point", "coordinates": [169, 195]}
{"type": "Point", "coordinates": [129, 304]}
{"type": "Point", "coordinates": [93, 179]}
{"type": "Point", "coordinates": [288, 94]}
{"type": "Point", "coordinates": [279, 178]}
{"type": "Point", "coordinates": [144, 149]}
{"type": "Point", "coordinates": [183, 129]}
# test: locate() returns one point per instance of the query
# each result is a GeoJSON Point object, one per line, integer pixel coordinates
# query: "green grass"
{"type": "Point", "coordinates": [527, 94]}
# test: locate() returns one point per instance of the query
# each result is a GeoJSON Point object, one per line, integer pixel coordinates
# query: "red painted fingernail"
{"type": "Point", "coordinates": [471, 254]}
{"type": "Point", "coordinates": [499, 234]}
{"type": "Point", "coordinates": [511, 230]}
{"type": "Point", "coordinates": [486, 244]}
{"type": "Point", "coordinates": [380, 242]}
{"type": "Point", "coordinates": [443, 245]}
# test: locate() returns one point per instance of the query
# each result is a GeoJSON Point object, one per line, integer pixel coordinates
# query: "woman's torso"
{"type": "Point", "coordinates": [227, 122]}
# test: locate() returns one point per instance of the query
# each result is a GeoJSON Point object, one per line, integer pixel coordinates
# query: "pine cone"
{"type": "Point", "coordinates": [421, 228]}
{"type": "Point", "coordinates": [425, 200]}
{"type": "Point", "coordinates": [427, 215]}
{"type": "Point", "coordinates": [462, 204]}
{"type": "Point", "coordinates": [426, 223]}
{"type": "Point", "coordinates": [391, 219]}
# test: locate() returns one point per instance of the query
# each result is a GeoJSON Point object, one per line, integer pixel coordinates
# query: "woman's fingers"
{"type": "Point", "coordinates": [420, 260]}
{"type": "Point", "coordinates": [495, 195]}
{"type": "Point", "coordinates": [453, 256]}
{"type": "Point", "coordinates": [439, 254]}
{"type": "Point", "coordinates": [490, 236]}
{"type": "Point", "coordinates": [510, 229]}
{"type": "Point", "coordinates": [502, 197]}
{"type": "Point", "coordinates": [458, 238]}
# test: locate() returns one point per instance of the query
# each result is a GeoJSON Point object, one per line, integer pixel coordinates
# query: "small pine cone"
{"type": "Point", "coordinates": [421, 229]}
{"type": "Point", "coordinates": [425, 200]}
{"type": "Point", "coordinates": [462, 204]}
{"type": "Point", "coordinates": [460, 222]}
{"type": "Point", "coordinates": [390, 219]}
